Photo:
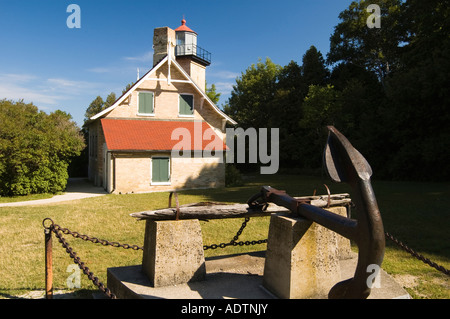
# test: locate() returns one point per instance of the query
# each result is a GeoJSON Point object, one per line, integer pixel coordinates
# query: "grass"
{"type": "Point", "coordinates": [416, 213]}
{"type": "Point", "coordinates": [13, 199]}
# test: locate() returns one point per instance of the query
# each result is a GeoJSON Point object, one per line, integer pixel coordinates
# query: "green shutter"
{"type": "Point", "coordinates": [186, 104]}
{"type": "Point", "coordinates": [145, 102]}
{"type": "Point", "coordinates": [160, 169]}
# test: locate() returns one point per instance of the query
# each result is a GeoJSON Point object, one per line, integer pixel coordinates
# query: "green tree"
{"type": "Point", "coordinates": [376, 49]}
{"type": "Point", "coordinates": [212, 94]}
{"type": "Point", "coordinates": [419, 95]}
{"type": "Point", "coordinates": [292, 87]}
{"type": "Point", "coordinates": [286, 108]}
{"type": "Point", "coordinates": [129, 85]}
{"type": "Point", "coordinates": [321, 107]}
{"type": "Point", "coordinates": [98, 105]}
{"type": "Point", "coordinates": [314, 70]}
{"type": "Point", "coordinates": [401, 126]}
{"type": "Point", "coordinates": [251, 99]}
{"type": "Point", "coordinates": [110, 99]}
{"type": "Point", "coordinates": [35, 149]}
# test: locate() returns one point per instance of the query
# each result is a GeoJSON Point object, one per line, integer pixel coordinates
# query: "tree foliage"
{"type": "Point", "coordinates": [387, 89]}
{"type": "Point", "coordinates": [35, 149]}
{"type": "Point", "coordinates": [250, 101]}
{"type": "Point", "coordinates": [212, 94]}
{"type": "Point", "coordinates": [375, 49]}
{"type": "Point", "coordinates": [268, 95]}
{"type": "Point", "coordinates": [98, 105]}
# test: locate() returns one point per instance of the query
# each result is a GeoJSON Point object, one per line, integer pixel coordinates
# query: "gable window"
{"type": "Point", "coordinates": [186, 105]}
{"type": "Point", "coordinates": [145, 102]}
{"type": "Point", "coordinates": [160, 171]}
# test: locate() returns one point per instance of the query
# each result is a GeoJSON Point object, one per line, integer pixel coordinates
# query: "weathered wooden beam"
{"type": "Point", "coordinates": [212, 210]}
{"type": "Point", "coordinates": [196, 211]}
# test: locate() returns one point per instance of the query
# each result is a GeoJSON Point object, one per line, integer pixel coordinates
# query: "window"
{"type": "Point", "coordinates": [145, 101]}
{"type": "Point", "coordinates": [160, 171]}
{"type": "Point", "coordinates": [186, 107]}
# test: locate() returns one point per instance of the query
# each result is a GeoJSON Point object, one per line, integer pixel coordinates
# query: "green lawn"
{"type": "Point", "coordinates": [24, 198]}
{"type": "Point", "coordinates": [416, 213]}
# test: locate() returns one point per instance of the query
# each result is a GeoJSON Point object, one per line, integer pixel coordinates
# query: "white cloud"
{"type": "Point", "coordinates": [223, 80]}
{"type": "Point", "coordinates": [224, 88]}
{"type": "Point", "coordinates": [18, 86]}
{"type": "Point", "coordinates": [14, 92]}
{"type": "Point", "coordinates": [68, 86]}
{"type": "Point", "coordinates": [224, 74]}
{"type": "Point", "coordinates": [9, 77]}
{"type": "Point", "coordinates": [43, 93]}
{"type": "Point", "coordinates": [147, 56]}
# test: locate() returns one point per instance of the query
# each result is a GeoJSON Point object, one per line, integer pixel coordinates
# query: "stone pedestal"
{"type": "Point", "coordinates": [173, 252]}
{"type": "Point", "coordinates": [302, 258]}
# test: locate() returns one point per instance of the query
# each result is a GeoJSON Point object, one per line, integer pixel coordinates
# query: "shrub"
{"type": "Point", "coordinates": [35, 149]}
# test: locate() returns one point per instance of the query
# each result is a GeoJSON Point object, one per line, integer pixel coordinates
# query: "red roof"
{"type": "Point", "coordinates": [151, 135]}
{"type": "Point", "coordinates": [183, 27]}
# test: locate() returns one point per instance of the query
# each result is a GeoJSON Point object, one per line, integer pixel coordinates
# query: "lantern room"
{"type": "Point", "coordinates": [186, 45]}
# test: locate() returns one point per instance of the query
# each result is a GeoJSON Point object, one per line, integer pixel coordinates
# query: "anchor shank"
{"type": "Point", "coordinates": [344, 226]}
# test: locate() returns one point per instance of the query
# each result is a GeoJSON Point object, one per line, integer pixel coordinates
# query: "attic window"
{"type": "Point", "coordinates": [186, 106]}
{"type": "Point", "coordinates": [145, 103]}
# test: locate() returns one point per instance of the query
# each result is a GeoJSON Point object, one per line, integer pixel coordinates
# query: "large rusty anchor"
{"type": "Point", "coordinates": [344, 164]}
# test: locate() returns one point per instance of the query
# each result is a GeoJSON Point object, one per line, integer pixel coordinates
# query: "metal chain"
{"type": "Point", "coordinates": [417, 255]}
{"type": "Point", "coordinates": [234, 242]}
{"type": "Point", "coordinates": [105, 242]}
{"type": "Point", "coordinates": [56, 229]}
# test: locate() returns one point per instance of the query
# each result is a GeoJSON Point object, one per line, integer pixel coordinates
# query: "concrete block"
{"type": "Point", "coordinates": [173, 252]}
{"type": "Point", "coordinates": [302, 258]}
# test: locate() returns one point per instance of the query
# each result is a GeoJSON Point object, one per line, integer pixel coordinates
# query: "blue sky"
{"type": "Point", "coordinates": [56, 67]}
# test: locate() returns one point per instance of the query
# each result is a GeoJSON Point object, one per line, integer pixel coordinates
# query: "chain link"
{"type": "Point", "coordinates": [57, 229]}
{"type": "Point", "coordinates": [96, 240]}
{"type": "Point", "coordinates": [234, 241]}
{"type": "Point", "coordinates": [417, 255]}
{"type": "Point", "coordinates": [105, 242]}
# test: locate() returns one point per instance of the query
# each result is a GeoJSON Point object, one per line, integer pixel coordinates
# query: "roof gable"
{"type": "Point", "coordinates": [188, 79]}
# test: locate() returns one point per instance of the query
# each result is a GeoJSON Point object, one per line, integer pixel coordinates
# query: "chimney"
{"type": "Point", "coordinates": [161, 38]}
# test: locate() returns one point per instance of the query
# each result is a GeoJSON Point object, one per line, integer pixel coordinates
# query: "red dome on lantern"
{"type": "Point", "coordinates": [184, 27]}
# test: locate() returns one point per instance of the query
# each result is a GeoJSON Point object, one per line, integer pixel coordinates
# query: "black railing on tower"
{"type": "Point", "coordinates": [193, 50]}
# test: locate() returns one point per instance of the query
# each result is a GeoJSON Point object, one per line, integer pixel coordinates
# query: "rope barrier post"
{"type": "Point", "coordinates": [48, 264]}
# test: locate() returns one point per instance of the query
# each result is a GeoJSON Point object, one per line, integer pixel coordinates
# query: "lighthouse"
{"type": "Point", "coordinates": [186, 45]}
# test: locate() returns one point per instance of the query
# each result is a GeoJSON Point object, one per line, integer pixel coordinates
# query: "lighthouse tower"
{"type": "Point", "coordinates": [189, 55]}
{"type": "Point", "coordinates": [182, 43]}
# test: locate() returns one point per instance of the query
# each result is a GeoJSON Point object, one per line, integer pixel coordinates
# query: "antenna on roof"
{"type": "Point", "coordinates": [137, 73]}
